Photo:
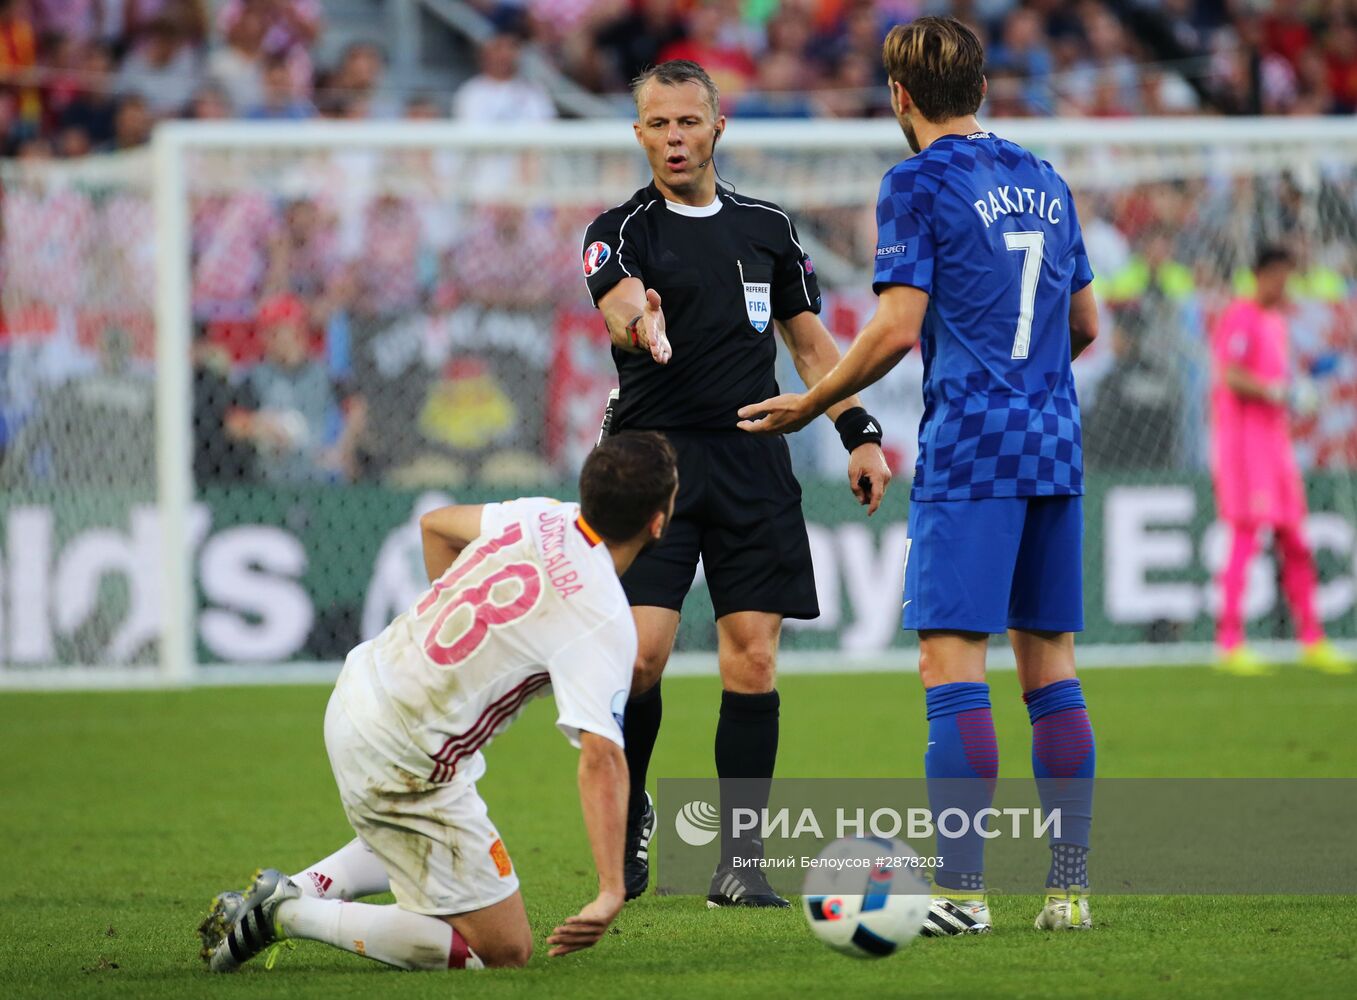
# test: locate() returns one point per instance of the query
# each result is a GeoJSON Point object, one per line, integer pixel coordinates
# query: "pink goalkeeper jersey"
{"type": "Point", "coordinates": [1252, 459]}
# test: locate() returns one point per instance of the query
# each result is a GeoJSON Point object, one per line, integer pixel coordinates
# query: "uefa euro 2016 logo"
{"type": "Point", "coordinates": [596, 254]}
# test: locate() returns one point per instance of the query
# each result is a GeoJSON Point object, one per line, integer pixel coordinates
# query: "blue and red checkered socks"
{"type": "Point", "coordinates": [962, 764]}
{"type": "Point", "coordinates": [1063, 759]}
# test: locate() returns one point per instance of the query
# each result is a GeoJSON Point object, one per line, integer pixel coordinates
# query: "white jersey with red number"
{"type": "Point", "coordinates": [532, 606]}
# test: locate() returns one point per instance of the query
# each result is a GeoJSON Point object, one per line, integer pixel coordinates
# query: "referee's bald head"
{"type": "Point", "coordinates": [674, 73]}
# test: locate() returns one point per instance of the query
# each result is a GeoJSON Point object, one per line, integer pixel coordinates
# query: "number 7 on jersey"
{"type": "Point", "coordinates": [1031, 245]}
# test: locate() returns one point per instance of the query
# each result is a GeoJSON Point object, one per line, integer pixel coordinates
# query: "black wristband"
{"type": "Point", "coordinates": [857, 427]}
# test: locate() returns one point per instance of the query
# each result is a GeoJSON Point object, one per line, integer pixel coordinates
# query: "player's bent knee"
{"type": "Point", "coordinates": [512, 954]}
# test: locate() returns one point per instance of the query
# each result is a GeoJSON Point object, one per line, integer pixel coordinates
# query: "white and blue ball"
{"type": "Point", "coordinates": [859, 907]}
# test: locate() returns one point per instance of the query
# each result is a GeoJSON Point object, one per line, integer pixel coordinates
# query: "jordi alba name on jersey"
{"type": "Point", "coordinates": [990, 233]}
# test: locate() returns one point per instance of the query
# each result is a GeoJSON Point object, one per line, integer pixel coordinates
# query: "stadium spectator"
{"type": "Point", "coordinates": [361, 75]}
{"type": "Point", "coordinates": [164, 69]}
{"type": "Point", "coordinates": [238, 65]}
{"type": "Point", "coordinates": [1164, 93]}
{"type": "Point", "coordinates": [73, 142]}
{"type": "Point", "coordinates": [634, 39]}
{"type": "Point", "coordinates": [229, 234]}
{"type": "Point", "coordinates": [226, 426]}
{"type": "Point", "coordinates": [1024, 52]}
{"type": "Point", "coordinates": [387, 277]}
{"type": "Point", "coordinates": [296, 400]}
{"type": "Point", "coordinates": [290, 28]}
{"type": "Point", "coordinates": [304, 257]}
{"type": "Point", "coordinates": [1102, 77]}
{"type": "Point", "coordinates": [499, 93]}
{"type": "Point", "coordinates": [280, 101]}
{"type": "Point", "coordinates": [20, 103]}
{"type": "Point", "coordinates": [210, 103]}
{"type": "Point", "coordinates": [77, 21]}
{"type": "Point", "coordinates": [190, 15]}
{"type": "Point", "coordinates": [66, 441]}
{"type": "Point", "coordinates": [423, 107]}
{"type": "Point", "coordinates": [712, 41]}
{"type": "Point", "coordinates": [776, 92]}
{"type": "Point", "coordinates": [93, 109]}
{"type": "Point", "coordinates": [853, 90]}
{"type": "Point", "coordinates": [131, 124]}
{"type": "Point", "coordinates": [1340, 55]}
{"type": "Point", "coordinates": [289, 25]}
{"type": "Point", "coordinates": [787, 32]}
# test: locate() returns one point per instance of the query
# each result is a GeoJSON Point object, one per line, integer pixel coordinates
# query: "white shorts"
{"type": "Point", "coordinates": [440, 849]}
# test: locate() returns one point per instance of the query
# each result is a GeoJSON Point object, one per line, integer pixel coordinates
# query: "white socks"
{"type": "Point", "coordinates": [348, 873]}
{"type": "Point", "coordinates": [385, 933]}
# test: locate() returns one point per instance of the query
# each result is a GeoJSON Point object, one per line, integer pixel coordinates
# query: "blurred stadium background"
{"type": "Point", "coordinates": [278, 275]}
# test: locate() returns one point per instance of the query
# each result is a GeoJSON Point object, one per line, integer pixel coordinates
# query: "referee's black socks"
{"type": "Point", "coordinates": [746, 748]}
{"type": "Point", "coordinates": [640, 729]}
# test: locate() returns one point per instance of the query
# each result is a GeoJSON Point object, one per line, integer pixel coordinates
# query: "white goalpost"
{"type": "Point", "coordinates": [237, 366]}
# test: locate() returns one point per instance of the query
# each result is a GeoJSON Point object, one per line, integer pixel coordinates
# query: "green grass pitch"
{"type": "Point", "coordinates": [122, 814]}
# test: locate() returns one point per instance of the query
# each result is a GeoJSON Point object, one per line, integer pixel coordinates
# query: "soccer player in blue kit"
{"type": "Point", "coordinates": [980, 261]}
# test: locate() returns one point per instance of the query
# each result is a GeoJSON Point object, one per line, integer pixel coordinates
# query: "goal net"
{"type": "Point", "coordinates": [239, 366]}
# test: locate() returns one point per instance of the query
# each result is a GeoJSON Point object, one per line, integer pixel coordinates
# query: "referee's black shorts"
{"type": "Point", "coordinates": [739, 508]}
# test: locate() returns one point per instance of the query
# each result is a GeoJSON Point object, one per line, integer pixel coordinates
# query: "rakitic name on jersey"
{"type": "Point", "coordinates": [559, 570]}
{"type": "Point", "coordinates": [1013, 200]}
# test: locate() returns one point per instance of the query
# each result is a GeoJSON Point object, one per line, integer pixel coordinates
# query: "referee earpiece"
{"type": "Point", "coordinates": [713, 150]}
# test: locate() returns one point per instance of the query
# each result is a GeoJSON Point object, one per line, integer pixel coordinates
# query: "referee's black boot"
{"type": "Point", "coordinates": [731, 886]}
{"type": "Point", "coordinates": [636, 865]}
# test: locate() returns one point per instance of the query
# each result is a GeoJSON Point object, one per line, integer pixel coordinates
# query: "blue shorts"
{"type": "Point", "coordinates": [996, 564]}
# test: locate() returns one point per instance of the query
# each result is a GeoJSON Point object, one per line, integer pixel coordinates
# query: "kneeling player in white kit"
{"type": "Point", "coordinates": [525, 599]}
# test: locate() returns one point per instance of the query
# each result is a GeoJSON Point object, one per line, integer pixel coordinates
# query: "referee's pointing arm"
{"type": "Point", "coordinates": [635, 319]}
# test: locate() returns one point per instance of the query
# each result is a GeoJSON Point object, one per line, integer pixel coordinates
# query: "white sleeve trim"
{"type": "Point", "coordinates": [791, 231]}
{"type": "Point", "coordinates": [622, 236]}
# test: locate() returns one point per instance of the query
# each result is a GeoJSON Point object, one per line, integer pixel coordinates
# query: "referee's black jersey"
{"type": "Point", "coordinates": [724, 273]}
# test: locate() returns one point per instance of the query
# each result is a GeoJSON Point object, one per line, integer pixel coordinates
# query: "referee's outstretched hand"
{"type": "Point", "coordinates": [652, 331]}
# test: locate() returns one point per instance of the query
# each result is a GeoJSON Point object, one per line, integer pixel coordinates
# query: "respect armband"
{"type": "Point", "coordinates": [857, 427]}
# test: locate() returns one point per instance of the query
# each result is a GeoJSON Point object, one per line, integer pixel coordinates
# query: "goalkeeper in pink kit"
{"type": "Point", "coordinates": [1258, 483]}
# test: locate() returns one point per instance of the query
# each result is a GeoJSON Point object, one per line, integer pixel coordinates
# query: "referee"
{"type": "Point", "coordinates": [690, 281]}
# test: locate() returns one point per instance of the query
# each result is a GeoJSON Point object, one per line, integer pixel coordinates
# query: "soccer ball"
{"type": "Point", "coordinates": [862, 899]}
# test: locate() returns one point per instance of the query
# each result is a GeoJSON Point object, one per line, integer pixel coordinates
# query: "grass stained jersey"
{"type": "Point", "coordinates": [724, 273]}
{"type": "Point", "coordinates": [531, 607]}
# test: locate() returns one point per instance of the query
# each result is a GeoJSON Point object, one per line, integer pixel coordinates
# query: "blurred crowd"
{"type": "Point", "coordinates": [78, 76]}
{"type": "Point", "coordinates": [807, 58]}
{"type": "Point", "coordinates": [366, 317]}
{"type": "Point", "coordinates": [357, 320]}
{"type": "Point", "coordinates": [86, 76]}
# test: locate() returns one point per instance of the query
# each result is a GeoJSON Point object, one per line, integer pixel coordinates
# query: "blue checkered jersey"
{"type": "Point", "coordinates": [990, 233]}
